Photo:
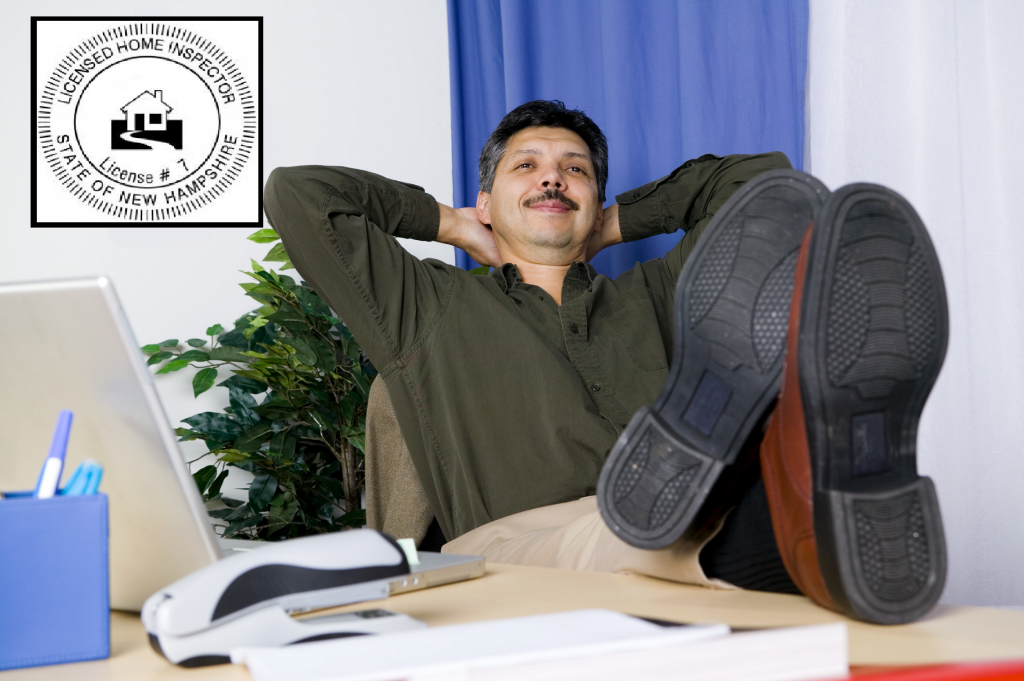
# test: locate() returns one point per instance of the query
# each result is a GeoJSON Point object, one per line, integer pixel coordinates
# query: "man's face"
{"type": "Point", "coordinates": [544, 203]}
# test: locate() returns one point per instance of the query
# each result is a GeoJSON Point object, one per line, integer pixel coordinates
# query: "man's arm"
{"type": "Point", "coordinates": [337, 226]}
{"type": "Point", "coordinates": [687, 199]}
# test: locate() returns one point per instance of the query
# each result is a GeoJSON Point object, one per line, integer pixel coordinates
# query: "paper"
{"type": "Point", "coordinates": [409, 547]}
{"type": "Point", "coordinates": [451, 651]}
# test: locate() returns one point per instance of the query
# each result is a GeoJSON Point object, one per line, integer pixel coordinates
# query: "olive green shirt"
{"type": "Point", "coordinates": [507, 401]}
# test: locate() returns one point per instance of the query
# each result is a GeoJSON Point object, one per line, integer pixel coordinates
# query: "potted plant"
{"type": "Point", "coordinates": [297, 413]}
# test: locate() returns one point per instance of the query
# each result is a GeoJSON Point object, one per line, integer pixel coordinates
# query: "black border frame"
{"type": "Point", "coordinates": [34, 222]}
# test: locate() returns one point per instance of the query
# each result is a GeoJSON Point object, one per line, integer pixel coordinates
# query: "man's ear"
{"type": "Point", "coordinates": [483, 207]}
{"type": "Point", "coordinates": [599, 221]}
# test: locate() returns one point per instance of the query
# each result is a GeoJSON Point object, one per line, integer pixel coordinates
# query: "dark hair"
{"type": "Point", "coordinates": [541, 113]}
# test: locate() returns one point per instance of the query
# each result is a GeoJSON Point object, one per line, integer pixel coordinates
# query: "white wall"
{"type": "Point", "coordinates": [345, 82]}
{"type": "Point", "coordinates": [926, 97]}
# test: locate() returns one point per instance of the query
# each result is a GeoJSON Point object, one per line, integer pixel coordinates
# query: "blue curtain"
{"type": "Point", "coordinates": [667, 81]}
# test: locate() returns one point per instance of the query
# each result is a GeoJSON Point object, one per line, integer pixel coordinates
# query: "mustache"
{"type": "Point", "coordinates": [552, 194]}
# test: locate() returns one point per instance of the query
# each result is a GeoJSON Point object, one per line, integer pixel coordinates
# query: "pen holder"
{"type": "Point", "coordinates": [54, 584]}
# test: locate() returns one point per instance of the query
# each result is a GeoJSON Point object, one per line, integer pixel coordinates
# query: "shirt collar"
{"type": "Point", "coordinates": [578, 279]}
{"type": "Point", "coordinates": [579, 272]}
{"type": "Point", "coordinates": [507, 276]}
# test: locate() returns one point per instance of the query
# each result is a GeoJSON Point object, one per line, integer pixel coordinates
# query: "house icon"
{"type": "Point", "coordinates": [147, 112]}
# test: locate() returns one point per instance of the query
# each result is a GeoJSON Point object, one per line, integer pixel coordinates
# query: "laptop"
{"type": "Point", "coordinates": [68, 345]}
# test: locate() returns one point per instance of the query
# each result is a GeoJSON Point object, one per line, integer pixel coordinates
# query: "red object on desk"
{"type": "Point", "coordinates": [1003, 671]}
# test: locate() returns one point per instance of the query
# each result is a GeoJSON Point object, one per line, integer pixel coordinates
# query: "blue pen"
{"type": "Point", "coordinates": [46, 487]}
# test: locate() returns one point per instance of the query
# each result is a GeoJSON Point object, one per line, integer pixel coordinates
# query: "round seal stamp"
{"type": "Point", "coordinates": [146, 122]}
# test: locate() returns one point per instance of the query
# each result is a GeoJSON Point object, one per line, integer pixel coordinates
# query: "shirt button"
{"type": "Point", "coordinates": [594, 387]}
{"type": "Point", "coordinates": [574, 328]}
{"type": "Point", "coordinates": [636, 195]}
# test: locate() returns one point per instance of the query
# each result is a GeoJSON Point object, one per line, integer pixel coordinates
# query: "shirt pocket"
{"type": "Point", "coordinates": [636, 326]}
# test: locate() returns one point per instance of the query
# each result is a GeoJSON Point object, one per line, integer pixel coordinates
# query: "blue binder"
{"type": "Point", "coordinates": [54, 584]}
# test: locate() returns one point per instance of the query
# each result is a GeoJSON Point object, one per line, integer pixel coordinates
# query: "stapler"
{"type": "Point", "coordinates": [250, 598]}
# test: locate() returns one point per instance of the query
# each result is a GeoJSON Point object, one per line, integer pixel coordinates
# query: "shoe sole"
{"type": "Point", "coordinates": [873, 335]}
{"type": "Point", "coordinates": [731, 314]}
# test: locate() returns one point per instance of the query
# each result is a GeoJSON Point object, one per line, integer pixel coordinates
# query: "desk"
{"type": "Point", "coordinates": [949, 634]}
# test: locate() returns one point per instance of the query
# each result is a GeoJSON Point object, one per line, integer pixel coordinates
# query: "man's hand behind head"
{"type": "Point", "coordinates": [462, 228]}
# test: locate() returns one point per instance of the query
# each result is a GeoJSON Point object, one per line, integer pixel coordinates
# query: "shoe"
{"type": "Point", "coordinates": [858, 530]}
{"type": "Point", "coordinates": [731, 311]}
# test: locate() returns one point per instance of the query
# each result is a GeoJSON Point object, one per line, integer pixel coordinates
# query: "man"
{"type": "Point", "coordinates": [510, 389]}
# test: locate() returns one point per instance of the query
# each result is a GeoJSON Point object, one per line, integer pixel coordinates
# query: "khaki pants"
{"type": "Point", "coordinates": [570, 536]}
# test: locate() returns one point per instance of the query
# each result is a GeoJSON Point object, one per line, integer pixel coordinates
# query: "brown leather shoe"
{"type": "Point", "coordinates": [858, 530]}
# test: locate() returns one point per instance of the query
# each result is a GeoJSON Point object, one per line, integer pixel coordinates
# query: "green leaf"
{"type": "Point", "coordinates": [150, 349]}
{"type": "Point", "coordinates": [243, 524]}
{"type": "Point", "coordinates": [276, 254]}
{"type": "Point", "coordinates": [268, 276]}
{"type": "Point", "coordinates": [252, 374]}
{"type": "Point", "coordinates": [243, 404]}
{"type": "Point", "coordinates": [194, 356]}
{"type": "Point", "coordinates": [169, 343]}
{"type": "Point", "coordinates": [265, 335]}
{"type": "Point", "coordinates": [358, 441]}
{"type": "Point", "coordinates": [204, 476]}
{"type": "Point", "coordinates": [283, 444]}
{"type": "Point", "coordinates": [251, 439]}
{"type": "Point", "coordinates": [232, 456]}
{"type": "Point", "coordinates": [235, 339]}
{"type": "Point", "coordinates": [159, 357]}
{"type": "Point", "coordinates": [326, 357]}
{"type": "Point", "coordinates": [261, 491]}
{"type": "Point", "coordinates": [173, 366]}
{"type": "Point", "coordinates": [290, 317]}
{"type": "Point", "coordinates": [215, 486]}
{"type": "Point", "coordinates": [262, 297]}
{"type": "Point", "coordinates": [361, 382]}
{"type": "Point", "coordinates": [215, 425]}
{"type": "Point", "coordinates": [282, 512]}
{"type": "Point", "coordinates": [326, 511]}
{"type": "Point", "coordinates": [483, 269]}
{"type": "Point", "coordinates": [227, 353]}
{"type": "Point", "coordinates": [203, 381]}
{"type": "Point", "coordinates": [303, 352]}
{"type": "Point", "coordinates": [246, 384]}
{"type": "Point", "coordinates": [215, 330]}
{"type": "Point", "coordinates": [264, 236]}
{"type": "Point", "coordinates": [356, 518]}
{"type": "Point", "coordinates": [256, 266]}
{"type": "Point", "coordinates": [277, 412]}
{"type": "Point", "coordinates": [186, 434]}
{"type": "Point", "coordinates": [311, 303]}
{"type": "Point", "coordinates": [236, 510]}
{"type": "Point", "coordinates": [196, 342]}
